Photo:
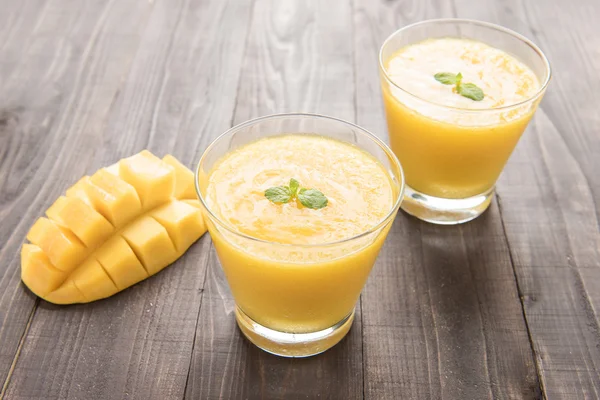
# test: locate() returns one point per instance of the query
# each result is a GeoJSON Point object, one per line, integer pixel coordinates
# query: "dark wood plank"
{"type": "Point", "coordinates": [37, 76]}
{"type": "Point", "coordinates": [141, 89]}
{"type": "Point", "coordinates": [135, 344]}
{"type": "Point", "coordinates": [181, 91]}
{"type": "Point", "coordinates": [549, 195]}
{"type": "Point", "coordinates": [42, 92]}
{"type": "Point", "coordinates": [298, 58]}
{"type": "Point", "coordinates": [442, 317]}
{"type": "Point", "coordinates": [441, 312]}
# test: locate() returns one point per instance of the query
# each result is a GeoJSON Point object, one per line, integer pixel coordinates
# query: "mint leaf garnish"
{"type": "Point", "coordinates": [278, 194]}
{"type": "Point", "coordinates": [310, 198]}
{"type": "Point", "coordinates": [471, 91]}
{"type": "Point", "coordinates": [447, 78]}
{"type": "Point", "coordinates": [468, 90]}
{"type": "Point", "coordinates": [294, 185]}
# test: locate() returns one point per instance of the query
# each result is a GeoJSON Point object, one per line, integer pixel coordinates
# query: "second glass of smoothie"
{"type": "Point", "coordinates": [458, 94]}
{"type": "Point", "coordinates": [296, 261]}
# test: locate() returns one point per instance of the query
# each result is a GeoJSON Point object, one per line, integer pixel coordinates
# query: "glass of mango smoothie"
{"type": "Point", "coordinates": [298, 207]}
{"type": "Point", "coordinates": [458, 94]}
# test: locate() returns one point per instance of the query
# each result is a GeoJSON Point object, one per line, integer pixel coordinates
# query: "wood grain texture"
{"type": "Point", "coordinates": [135, 344]}
{"type": "Point", "coordinates": [441, 313]}
{"type": "Point", "coordinates": [549, 195]}
{"type": "Point", "coordinates": [138, 343]}
{"type": "Point", "coordinates": [442, 309]}
{"type": "Point", "coordinates": [448, 312]}
{"type": "Point", "coordinates": [298, 58]}
{"type": "Point", "coordinates": [38, 78]}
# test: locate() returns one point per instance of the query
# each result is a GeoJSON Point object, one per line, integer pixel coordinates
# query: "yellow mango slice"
{"type": "Point", "coordinates": [93, 281]}
{"type": "Point", "coordinates": [152, 178]}
{"type": "Point", "coordinates": [112, 197]}
{"type": "Point", "coordinates": [81, 218]}
{"type": "Point", "coordinates": [193, 203]}
{"type": "Point", "coordinates": [78, 190]}
{"type": "Point", "coordinates": [37, 271]}
{"type": "Point", "coordinates": [112, 230]}
{"type": "Point", "coordinates": [181, 221]}
{"type": "Point", "coordinates": [66, 294]}
{"type": "Point", "coordinates": [184, 186]}
{"type": "Point", "coordinates": [113, 169]}
{"type": "Point", "coordinates": [120, 262]}
{"type": "Point", "coordinates": [64, 250]}
{"type": "Point", "coordinates": [151, 244]}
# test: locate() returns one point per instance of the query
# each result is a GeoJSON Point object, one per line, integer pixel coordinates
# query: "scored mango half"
{"type": "Point", "coordinates": [112, 230]}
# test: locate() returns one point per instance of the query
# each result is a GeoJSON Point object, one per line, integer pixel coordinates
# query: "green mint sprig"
{"type": "Point", "coordinates": [468, 90]}
{"type": "Point", "coordinates": [310, 198]}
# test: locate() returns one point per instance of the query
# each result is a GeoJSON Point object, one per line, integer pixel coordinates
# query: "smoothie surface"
{"type": "Point", "coordinates": [504, 79]}
{"type": "Point", "coordinates": [358, 188]}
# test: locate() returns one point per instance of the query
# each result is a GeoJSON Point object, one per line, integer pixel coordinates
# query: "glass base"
{"type": "Point", "coordinates": [442, 211]}
{"type": "Point", "coordinates": [292, 344]}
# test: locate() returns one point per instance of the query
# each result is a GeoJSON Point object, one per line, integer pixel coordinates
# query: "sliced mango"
{"type": "Point", "coordinates": [193, 203]}
{"type": "Point", "coordinates": [81, 218]}
{"type": "Point", "coordinates": [112, 230]}
{"type": "Point", "coordinates": [151, 244]}
{"type": "Point", "coordinates": [120, 262]}
{"type": "Point", "coordinates": [184, 182]}
{"type": "Point", "coordinates": [67, 293]}
{"type": "Point", "coordinates": [113, 169]}
{"type": "Point", "coordinates": [181, 221]}
{"type": "Point", "coordinates": [152, 178]}
{"type": "Point", "coordinates": [61, 246]}
{"type": "Point", "coordinates": [37, 271]}
{"type": "Point", "coordinates": [78, 190]}
{"type": "Point", "coordinates": [93, 281]}
{"type": "Point", "coordinates": [112, 197]}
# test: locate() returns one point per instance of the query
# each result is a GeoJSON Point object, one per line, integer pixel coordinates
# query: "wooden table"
{"type": "Point", "coordinates": [505, 307]}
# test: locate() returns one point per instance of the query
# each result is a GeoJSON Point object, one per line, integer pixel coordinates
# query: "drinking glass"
{"type": "Point", "coordinates": [304, 307]}
{"type": "Point", "coordinates": [451, 168]}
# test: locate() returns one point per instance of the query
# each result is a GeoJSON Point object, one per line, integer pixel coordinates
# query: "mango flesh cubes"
{"type": "Point", "coordinates": [112, 230]}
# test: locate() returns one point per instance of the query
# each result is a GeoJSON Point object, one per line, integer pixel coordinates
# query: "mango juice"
{"type": "Point", "coordinates": [292, 268]}
{"type": "Point", "coordinates": [452, 146]}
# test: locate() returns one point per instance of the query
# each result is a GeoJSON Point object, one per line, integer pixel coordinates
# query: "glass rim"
{"type": "Point", "coordinates": [380, 224]}
{"type": "Point", "coordinates": [490, 25]}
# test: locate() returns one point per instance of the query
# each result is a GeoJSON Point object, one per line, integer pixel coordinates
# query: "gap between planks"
{"type": "Point", "coordinates": [246, 41]}
{"type": "Point", "coordinates": [231, 121]}
{"type": "Point", "coordinates": [187, 378]}
{"type": "Point", "coordinates": [19, 347]}
{"type": "Point", "coordinates": [540, 385]}
{"type": "Point", "coordinates": [355, 104]}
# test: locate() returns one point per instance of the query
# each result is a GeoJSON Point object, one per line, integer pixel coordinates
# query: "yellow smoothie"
{"type": "Point", "coordinates": [288, 279]}
{"type": "Point", "coordinates": [451, 146]}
